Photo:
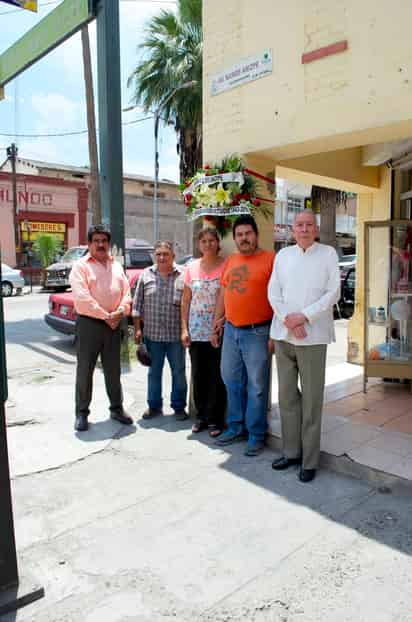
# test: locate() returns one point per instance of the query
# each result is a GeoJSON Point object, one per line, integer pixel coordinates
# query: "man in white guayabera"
{"type": "Point", "coordinates": [304, 286]}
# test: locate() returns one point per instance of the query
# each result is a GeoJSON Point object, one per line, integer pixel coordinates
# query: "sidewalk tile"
{"type": "Point", "coordinates": [403, 468]}
{"type": "Point", "coordinates": [401, 424]}
{"type": "Point", "coordinates": [346, 437]}
{"type": "Point", "coordinates": [373, 457]}
{"type": "Point", "coordinates": [393, 442]}
{"type": "Point", "coordinates": [371, 417]}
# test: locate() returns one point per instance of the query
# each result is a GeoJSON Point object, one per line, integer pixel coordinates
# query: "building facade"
{"type": "Point", "coordinates": [319, 91]}
{"type": "Point", "coordinates": [44, 205]}
{"type": "Point", "coordinates": [53, 198]}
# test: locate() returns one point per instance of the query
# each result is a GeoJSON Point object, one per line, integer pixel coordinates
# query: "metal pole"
{"type": "Point", "coordinates": [156, 178]}
{"type": "Point", "coordinates": [8, 558]}
{"type": "Point", "coordinates": [12, 155]}
{"type": "Point", "coordinates": [15, 591]}
{"type": "Point", "coordinates": [110, 122]}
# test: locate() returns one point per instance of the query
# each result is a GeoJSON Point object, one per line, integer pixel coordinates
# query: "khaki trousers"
{"type": "Point", "coordinates": [301, 409]}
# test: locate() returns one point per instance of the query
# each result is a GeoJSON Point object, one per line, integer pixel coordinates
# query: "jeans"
{"type": "Point", "coordinates": [175, 354]}
{"type": "Point", "coordinates": [245, 372]}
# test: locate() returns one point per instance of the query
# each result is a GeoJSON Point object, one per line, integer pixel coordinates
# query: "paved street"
{"type": "Point", "coordinates": [150, 523]}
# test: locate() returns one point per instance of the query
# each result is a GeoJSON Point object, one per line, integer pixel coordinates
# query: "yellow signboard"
{"type": "Point", "coordinates": [44, 227]}
{"type": "Point", "coordinates": [30, 5]}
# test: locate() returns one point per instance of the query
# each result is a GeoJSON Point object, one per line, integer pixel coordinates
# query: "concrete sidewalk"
{"type": "Point", "coordinates": [151, 523]}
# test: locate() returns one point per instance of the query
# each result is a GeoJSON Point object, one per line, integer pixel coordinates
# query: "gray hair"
{"type": "Point", "coordinates": [306, 211]}
{"type": "Point", "coordinates": [165, 243]}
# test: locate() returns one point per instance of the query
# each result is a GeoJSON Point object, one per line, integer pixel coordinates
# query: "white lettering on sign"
{"type": "Point", "coordinates": [25, 197]}
{"type": "Point", "coordinates": [250, 69]}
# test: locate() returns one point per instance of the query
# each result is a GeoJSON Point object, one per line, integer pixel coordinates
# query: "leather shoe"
{"type": "Point", "coordinates": [81, 424]}
{"type": "Point", "coordinates": [181, 415]}
{"type": "Point", "coordinates": [284, 463]}
{"type": "Point", "coordinates": [122, 417]}
{"type": "Point", "coordinates": [149, 413]}
{"type": "Point", "coordinates": [228, 437]}
{"type": "Point", "coordinates": [254, 448]}
{"type": "Point", "coordinates": [307, 475]}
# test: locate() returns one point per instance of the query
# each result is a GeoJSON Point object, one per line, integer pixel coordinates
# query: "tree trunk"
{"type": "Point", "coordinates": [327, 200]}
{"type": "Point", "coordinates": [190, 152]}
{"type": "Point", "coordinates": [91, 128]}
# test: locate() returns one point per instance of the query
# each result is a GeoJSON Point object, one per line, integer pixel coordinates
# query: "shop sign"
{"type": "Point", "coordinates": [47, 34]}
{"type": "Point", "coordinates": [250, 69]}
{"type": "Point", "coordinates": [25, 197]}
{"type": "Point", "coordinates": [44, 227]}
{"type": "Point", "coordinates": [30, 5]}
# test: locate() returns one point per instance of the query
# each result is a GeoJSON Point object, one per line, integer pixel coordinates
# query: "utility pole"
{"type": "Point", "coordinates": [12, 156]}
{"type": "Point", "coordinates": [91, 127]}
{"type": "Point", "coordinates": [15, 591]}
{"type": "Point", "coordinates": [110, 119]}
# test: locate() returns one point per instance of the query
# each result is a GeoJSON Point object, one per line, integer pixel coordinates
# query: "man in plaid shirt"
{"type": "Point", "coordinates": [156, 305]}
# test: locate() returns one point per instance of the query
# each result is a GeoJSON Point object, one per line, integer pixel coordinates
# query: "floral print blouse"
{"type": "Point", "coordinates": [205, 287]}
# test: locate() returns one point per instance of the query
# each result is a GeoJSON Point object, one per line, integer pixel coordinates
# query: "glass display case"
{"type": "Point", "coordinates": [388, 300]}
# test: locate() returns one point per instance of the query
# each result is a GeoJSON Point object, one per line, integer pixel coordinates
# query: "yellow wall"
{"type": "Point", "coordinates": [360, 96]}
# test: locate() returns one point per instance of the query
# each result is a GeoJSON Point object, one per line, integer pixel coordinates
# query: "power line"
{"type": "Point", "coordinates": [57, 1]}
{"type": "Point", "coordinates": [62, 134]}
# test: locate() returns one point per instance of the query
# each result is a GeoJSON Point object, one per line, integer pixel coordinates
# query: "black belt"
{"type": "Point", "coordinates": [248, 326]}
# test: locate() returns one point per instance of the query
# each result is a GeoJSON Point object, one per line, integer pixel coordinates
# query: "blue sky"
{"type": "Point", "coordinates": [49, 96]}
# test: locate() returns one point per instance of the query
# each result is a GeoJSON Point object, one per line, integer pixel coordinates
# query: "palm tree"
{"type": "Point", "coordinates": [47, 247]}
{"type": "Point", "coordinates": [325, 201]}
{"type": "Point", "coordinates": [171, 56]}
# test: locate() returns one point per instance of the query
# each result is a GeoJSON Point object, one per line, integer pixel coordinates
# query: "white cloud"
{"type": "Point", "coordinates": [54, 111]}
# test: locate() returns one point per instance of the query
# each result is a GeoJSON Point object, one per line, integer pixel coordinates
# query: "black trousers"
{"type": "Point", "coordinates": [94, 337]}
{"type": "Point", "coordinates": [209, 392]}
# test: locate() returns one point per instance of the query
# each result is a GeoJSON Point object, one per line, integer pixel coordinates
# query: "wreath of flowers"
{"type": "Point", "coordinates": [219, 193]}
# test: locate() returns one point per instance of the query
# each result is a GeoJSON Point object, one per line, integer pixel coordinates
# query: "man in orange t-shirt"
{"type": "Point", "coordinates": [245, 365]}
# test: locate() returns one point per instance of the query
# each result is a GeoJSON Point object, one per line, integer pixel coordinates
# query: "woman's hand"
{"type": "Point", "coordinates": [185, 338]}
{"type": "Point", "coordinates": [138, 335]}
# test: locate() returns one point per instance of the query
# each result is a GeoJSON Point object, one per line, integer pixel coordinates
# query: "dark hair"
{"type": "Point", "coordinates": [209, 231]}
{"type": "Point", "coordinates": [245, 219]}
{"type": "Point", "coordinates": [101, 229]}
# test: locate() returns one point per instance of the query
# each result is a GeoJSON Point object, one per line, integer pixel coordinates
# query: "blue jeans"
{"type": "Point", "coordinates": [245, 372]}
{"type": "Point", "coordinates": [175, 354]}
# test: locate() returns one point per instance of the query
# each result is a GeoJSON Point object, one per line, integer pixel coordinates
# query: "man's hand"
{"type": "Point", "coordinates": [292, 320]}
{"type": "Point", "coordinates": [186, 341]}
{"type": "Point", "coordinates": [138, 335]}
{"type": "Point", "coordinates": [114, 318]}
{"type": "Point", "coordinates": [299, 332]}
{"type": "Point", "coordinates": [271, 346]}
{"type": "Point", "coordinates": [216, 338]}
{"type": "Point", "coordinates": [218, 324]}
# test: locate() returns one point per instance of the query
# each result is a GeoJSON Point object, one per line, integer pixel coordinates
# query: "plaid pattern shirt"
{"type": "Point", "coordinates": [157, 301]}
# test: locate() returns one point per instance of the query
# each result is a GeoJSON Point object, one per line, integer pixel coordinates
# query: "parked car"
{"type": "Point", "coordinates": [346, 304]}
{"type": "Point", "coordinates": [11, 280]}
{"type": "Point", "coordinates": [62, 315]}
{"type": "Point", "coordinates": [183, 261]}
{"type": "Point", "coordinates": [57, 274]}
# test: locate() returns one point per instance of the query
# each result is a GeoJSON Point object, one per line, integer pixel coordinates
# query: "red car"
{"type": "Point", "coordinates": [62, 315]}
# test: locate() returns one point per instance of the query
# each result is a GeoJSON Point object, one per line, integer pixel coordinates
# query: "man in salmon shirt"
{"type": "Point", "coordinates": [101, 298]}
{"type": "Point", "coordinates": [246, 351]}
